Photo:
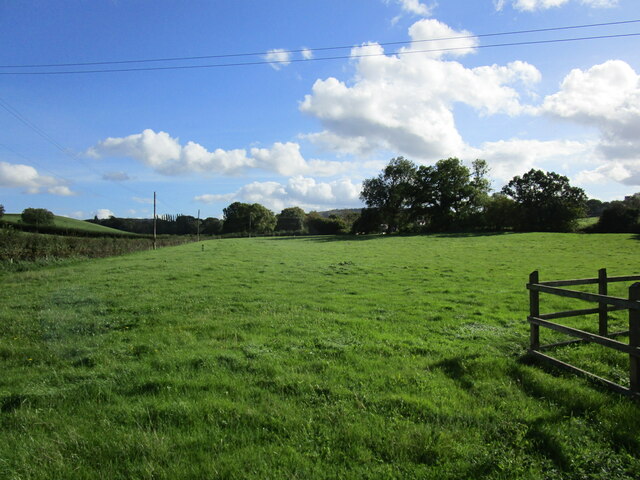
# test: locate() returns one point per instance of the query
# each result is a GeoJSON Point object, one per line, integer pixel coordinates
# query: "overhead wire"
{"type": "Point", "coordinates": [319, 49]}
{"type": "Point", "coordinates": [76, 157]}
{"type": "Point", "coordinates": [58, 146]}
{"type": "Point", "coordinates": [338, 57]}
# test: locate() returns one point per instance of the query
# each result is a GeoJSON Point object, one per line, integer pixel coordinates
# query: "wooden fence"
{"type": "Point", "coordinates": [606, 304]}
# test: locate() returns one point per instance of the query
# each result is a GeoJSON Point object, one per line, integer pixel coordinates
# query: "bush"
{"type": "Point", "coordinates": [37, 216]}
{"type": "Point", "coordinates": [618, 218]}
{"type": "Point", "coordinates": [1, 211]}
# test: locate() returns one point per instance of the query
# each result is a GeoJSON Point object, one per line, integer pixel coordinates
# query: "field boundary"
{"type": "Point", "coordinates": [606, 304]}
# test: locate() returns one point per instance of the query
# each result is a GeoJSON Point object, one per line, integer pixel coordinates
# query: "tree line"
{"type": "Point", "coordinates": [450, 196]}
{"type": "Point", "coordinates": [405, 197]}
{"type": "Point", "coordinates": [242, 219]}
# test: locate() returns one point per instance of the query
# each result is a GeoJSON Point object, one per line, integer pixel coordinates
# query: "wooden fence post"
{"type": "Point", "coordinates": [603, 319]}
{"type": "Point", "coordinates": [634, 340]}
{"type": "Point", "coordinates": [534, 311]}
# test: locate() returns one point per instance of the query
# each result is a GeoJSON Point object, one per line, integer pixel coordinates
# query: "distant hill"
{"type": "Point", "coordinates": [340, 212]}
{"type": "Point", "coordinates": [63, 226]}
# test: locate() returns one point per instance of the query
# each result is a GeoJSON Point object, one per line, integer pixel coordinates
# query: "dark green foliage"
{"type": "Point", "coordinates": [186, 225]}
{"type": "Point", "coordinates": [165, 224]}
{"type": "Point", "coordinates": [17, 246]}
{"type": "Point", "coordinates": [391, 192]}
{"type": "Point", "coordinates": [319, 225]}
{"type": "Point", "coordinates": [619, 217]}
{"type": "Point", "coordinates": [212, 226]}
{"type": "Point", "coordinates": [1, 211]}
{"type": "Point", "coordinates": [291, 220]}
{"type": "Point", "coordinates": [545, 201]}
{"type": "Point", "coordinates": [37, 216]}
{"type": "Point", "coordinates": [595, 207]}
{"type": "Point", "coordinates": [499, 212]}
{"type": "Point", "coordinates": [450, 196]}
{"type": "Point", "coordinates": [369, 221]}
{"type": "Point", "coordinates": [248, 218]}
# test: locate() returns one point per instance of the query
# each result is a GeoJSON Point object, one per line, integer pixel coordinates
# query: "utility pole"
{"type": "Point", "coordinates": [154, 220]}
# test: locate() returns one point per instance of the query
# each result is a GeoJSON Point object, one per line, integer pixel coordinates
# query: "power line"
{"type": "Point", "coordinates": [338, 57]}
{"type": "Point", "coordinates": [318, 49]}
{"type": "Point", "coordinates": [15, 113]}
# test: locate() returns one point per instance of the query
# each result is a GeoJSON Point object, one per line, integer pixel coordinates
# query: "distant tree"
{"type": "Point", "coordinates": [632, 201]}
{"type": "Point", "coordinates": [186, 225]}
{"type": "Point", "coordinates": [545, 201]}
{"type": "Point", "coordinates": [290, 220]}
{"type": "Point", "coordinates": [1, 211]}
{"type": "Point", "coordinates": [319, 225]}
{"type": "Point", "coordinates": [369, 221]}
{"type": "Point", "coordinates": [450, 195]}
{"type": "Point", "coordinates": [248, 218]}
{"type": "Point", "coordinates": [391, 192]}
{"type": "Point", "coordinates": [618, 217]}
{"type": "Point", "coordinates": [499, 212]}
{"type": "Point", "coordinates": [595, 207]}
{"type": "Point", "coordinates": [37, 216]}
{"type": "Point", "coordinates": [212, 226]}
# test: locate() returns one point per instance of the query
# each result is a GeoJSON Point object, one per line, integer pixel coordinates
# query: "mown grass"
{"type": "Point", "coordinates": [316, 357]}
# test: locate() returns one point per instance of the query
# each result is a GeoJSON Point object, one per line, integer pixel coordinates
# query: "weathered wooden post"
{"type": "Point", "coordinates": [534, 311]}
{"type": "Point", "coordinates": [603, 319]}
{"type": "Point", "coordinates": [634, 339]}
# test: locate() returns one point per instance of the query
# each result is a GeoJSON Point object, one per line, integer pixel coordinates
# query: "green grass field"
{"type": "Point", "coordinates": [67, 223]}
{"type": "Point", "coordinates": [316, 357]}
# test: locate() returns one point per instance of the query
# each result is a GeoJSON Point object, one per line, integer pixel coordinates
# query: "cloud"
{"type": "Point", "coordinates": [103, 213]}
{"type": "Point", "coordinates": [607, 98]}
{"type": "Point", "coordinates": [61, 190]}
{"type": "Point", "coordinates": [306, 54]}
{"type": "Point", "coordinates": [534, 5]}
{"type": "Point", "coordinates": [404, 103]}
{"type": "Point", "coordinates": [508, 158]}
{"type": "Point", "coordinates": [116, 176]}
{"type": "Point", "coordinates": [14, 175]}
{"type": "Point", "coordinates": [416, 7]}
{"type": "Point", "coordinates": [627, 173]}
{"type": "Point", "coordinates": [144, 201]}
{"type": "Point", "coordinates": [167, 156]}
{"type": "Point", "coordinates": [429, 34]}
{"type": "Point", "coordinates": [304, 192]}
{"type": "Point", "coordinates": [278, 58]}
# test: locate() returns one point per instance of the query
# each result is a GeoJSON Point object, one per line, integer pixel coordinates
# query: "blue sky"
{"type": "Point", "coordinates": [294, 129]}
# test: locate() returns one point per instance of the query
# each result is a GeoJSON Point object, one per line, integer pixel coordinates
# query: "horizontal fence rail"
{"type": "Point", "coordinates": [606, 304]}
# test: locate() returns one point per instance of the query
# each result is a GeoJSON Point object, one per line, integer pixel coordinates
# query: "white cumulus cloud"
{"type": "Point", "coordinates": [278, 58]}
{"type": "Point", "coordinates": [103, 213]}
{"type": "Point", "coordinates": [416, 7]}
{"type": "Point", "coordinates": [607, 98]}
{"type": "Point", "coordinates": [508, 158]}
{"type": "Point", "coordinates": [404, 103]}
{"type": "Point", "coordinates": [166, 155]}
{"type": "Point", "coordinates": [15, 175]}
{"type": "Point", "coordinates": [304, 192]}
{"type": "Point", "coordinates": [533, 5]}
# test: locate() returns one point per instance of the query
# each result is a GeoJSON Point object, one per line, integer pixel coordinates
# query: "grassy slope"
{"type": "Point", "coordinates": [307, 358]}
{"type": "Point", "coordinates": [69, 223]}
